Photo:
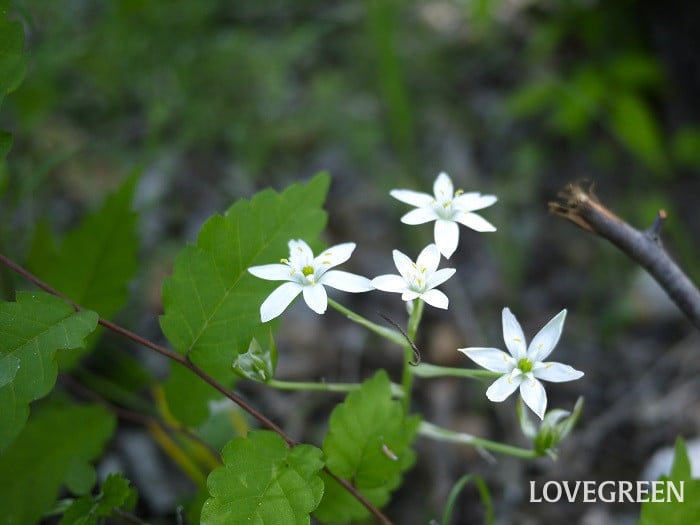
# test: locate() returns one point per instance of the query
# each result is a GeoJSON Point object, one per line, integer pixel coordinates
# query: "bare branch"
{"type": "Point", "coordinates": [583, 208]}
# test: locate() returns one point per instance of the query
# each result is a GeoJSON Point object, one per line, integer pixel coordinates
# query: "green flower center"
{"type": "Point", "coordinates": [307, 270]}
{"type": "Point", "coordinates": [525, 365]}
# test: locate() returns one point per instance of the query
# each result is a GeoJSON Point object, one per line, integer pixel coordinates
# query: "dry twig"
{"type": "Point", "coordinates": [581, 207]}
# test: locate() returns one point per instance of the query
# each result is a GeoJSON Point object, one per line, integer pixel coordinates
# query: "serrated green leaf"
{"type": "Point", "coordinates": [211, 302]}
{"type": "Point", "coordinates": [368, 443]}
{"type": "Point", "coordinates": [672, 511]}
{"type": "Point", "coordinates": [264, 481]}
{"type": "Point", "coordinates": [95, 262]}
{"type": "Point", "coordinates": [32, 329]}
{"type": "Point", "coordinates": [115, 493]}
{"type": "Point", "coordinates": [35, 468]}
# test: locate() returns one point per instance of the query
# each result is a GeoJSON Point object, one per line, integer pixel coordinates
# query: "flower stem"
{"type": "Point", "coordinates": [442, 434]}
{"type": "Point", "coordinates": [407, 375]}
{"type": "Point", "coordinates": [387, 333]}
{"type": "Point", "coordinates": [396, 390]}
{"type": "Point", "coordinates": [428, 370]}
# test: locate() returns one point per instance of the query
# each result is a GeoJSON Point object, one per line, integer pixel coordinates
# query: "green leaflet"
{"type": "Point", "coordinates": [368, 443]}
{"type": "Point", "coordinates": [95, 262]}
{"type": "Point", "coordinates": [31, 330]}
{"type": "Point", "coordinates": [263, 481]}
{"type": "Point", "coordinates": [115, 493]}
{"type": "Point", "coordinates": [675, 512]}
{"type": "Point", "coordinates": [211, 302]}
{"type": "Point", "coordinates": [50, 446]}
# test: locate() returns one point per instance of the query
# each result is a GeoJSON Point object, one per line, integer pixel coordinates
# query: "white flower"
{"type": "Point", "coordinates": [417, 279]}
{"type": "Point", "coordinates": [308, 275]}
{"type": "Point", "coordinates": [446, 208]}
{"type": "Point", "coordinates": [524, 367]}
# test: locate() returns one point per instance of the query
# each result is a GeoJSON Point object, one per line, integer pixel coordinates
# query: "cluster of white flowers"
{"type": "Point", "coordinates": [308, 275]}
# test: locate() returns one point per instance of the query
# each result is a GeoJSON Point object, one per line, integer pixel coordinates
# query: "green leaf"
{"type": "Point", "coordinates": [41, 458]}
{"type": "Point", "coordinates": [635, 126]}
{"type": "Point", "coordinates": [115, 493]}
{"type": "Point", "coordinates": [211, 302]}
{"type": "Point", "coordinates": [264, 481]}
{"type": "Point", "coordinates": [95, 262]}
{"type": "Point", "coordinates": [13, 66]}
{"type": "Point", "coordinates": [80, 477]}
{"type": "Point", "coordinates": [672, 511]}
{"type": "Point", "coordinates": [369, 444]}
{"type": "Point", "coordinates": [31, 330]}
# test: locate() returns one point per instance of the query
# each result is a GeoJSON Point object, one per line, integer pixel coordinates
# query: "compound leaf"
{"type": "Point", "coordinates": [32, 329]}
{"type": "Point", "coordinates": [263, 481]}
{"type": "Point", "coordinates": [211, 302]}
{"type": "Point", "coordinates": [368, 443]}
{"type": "Point", "coordinates": [34, 467]}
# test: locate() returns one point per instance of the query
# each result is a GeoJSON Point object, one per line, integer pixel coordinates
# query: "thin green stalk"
{"type": "Point", "coordinates": [307, 386]}
{"type": "Point", "coordinates": [428, 370]}
{"type": "Point", "coordinates": [442, 434]}
{"type": "Point", "coordinates": [407, 374]}
{"type": "Point", "coordinates": [387, 333]}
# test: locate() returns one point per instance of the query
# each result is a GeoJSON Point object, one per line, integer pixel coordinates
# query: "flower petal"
{"type": "Point", "coordinates": [345, 281]}
{"type": "Point", "coordinates": [335, 255]}
{"type": "Point", "coordinates": [443, 187]}
{"type": "Point", "coordinates": [555, 372]}
{"type": "Point", "coordinates": [409, 295]}
{"type": "Point", "coordinates": [439, 277]}
{"type": "Point", "coordinates": [429, 258]}
{"type": "Point", "coordinates": [279, 300]}
{"type": "Point", "coordinates": [534, 395]}
{"type": "Point", "coordinates": [502, 387]}
{"type": "Point", "coordinates": [435, 298]}
{"type": "Point", "coordinates": [446, 237]}
{"type": "Point", "coordinates": [403, 264]}
{"type": "Point", "coordinates": [414, 198]}
{"type": "Point", "coordinates": [419, 216]}
{"type": "Point", "coordinates": [473, 201]}
{"type": "Point", "coordinates": [547, 338]}
{"type": "Point", "coordinates": [389, 283]}
{"type": "Point", "coordinates": [272, 272]}
{"type": "Point", "coordinates": [490, 358]}
{"type": "Point", "coordinates": [300, 253]}
{"type": "Point", "coordinates": [316, 298]}
{"type": "Point", "coordinates": [475, 222]}
{"type": "Point", "coordinates": [513, 335]}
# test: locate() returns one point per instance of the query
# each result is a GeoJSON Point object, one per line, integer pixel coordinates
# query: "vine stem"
{"type": "Point", "coordinates": [185, 361]}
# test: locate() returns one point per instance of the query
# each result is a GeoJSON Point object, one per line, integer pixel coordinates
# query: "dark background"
{"type": "Point", "coordinates": [215, 100]}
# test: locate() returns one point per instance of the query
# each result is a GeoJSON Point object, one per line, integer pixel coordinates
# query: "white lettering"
{"type": "Point", "coordinates": [625, 489]}
{"type": "Point", "coordinates": [642, 491]}
{"type": "Point", "coordinates": [569, 495]}
{"type": "Point", "coordinates": [611, 495]}
{"type": "Point", "coordinates": [532, 494]}
{"type": "Point", "coordinates": [679, 495]}
{"type": "Point", "coordinates": [545, 491]}
{"type": "Point", "coordinates": [657, 491]}
{"type": "Point", "coordinates": [589, 492]}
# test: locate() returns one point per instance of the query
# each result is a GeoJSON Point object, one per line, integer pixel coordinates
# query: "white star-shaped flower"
{"type": "Point", "coordinates": [308, 275]}
{"type": "Point", "coordinates": [524, 367]}
{"type": "Point", "coordinates": [446, 208]}
{"type": "Point", "coordinates": [417, 279]}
